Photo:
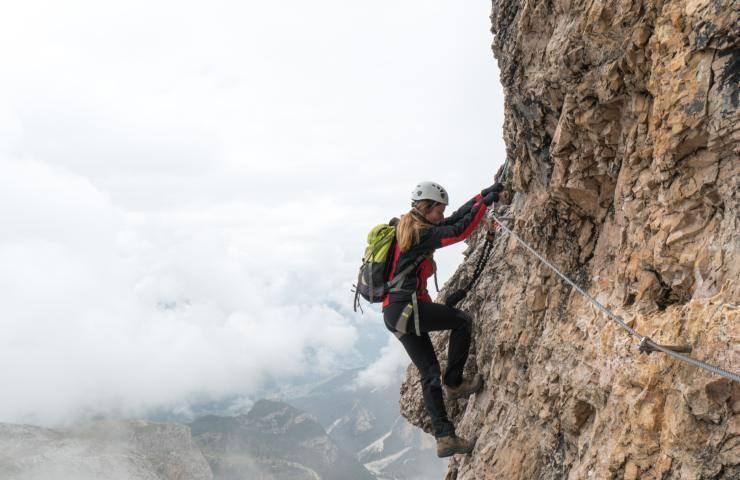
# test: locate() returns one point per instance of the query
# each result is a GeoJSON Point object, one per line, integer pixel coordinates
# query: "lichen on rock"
{"type": "Point", "coordinates": [622, 127]}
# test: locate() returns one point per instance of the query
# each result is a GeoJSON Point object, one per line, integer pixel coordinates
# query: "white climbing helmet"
{"type": "Point", "coordinates": [430, 191]}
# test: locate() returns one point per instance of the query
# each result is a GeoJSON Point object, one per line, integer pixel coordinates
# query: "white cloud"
{"type": "Point", "coordinates": [185, 189]}
{"type": "Point", "coordinates": [387, 369]}
{"type": "Point", "coordinates": [104, 308]}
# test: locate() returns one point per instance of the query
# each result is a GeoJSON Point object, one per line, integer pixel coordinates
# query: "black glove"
{"type": "Point", "coordinates": [496, 188]}
{"type": "Point", "coordinates": [455, 297]}
{"type": "Point", "coordinates": [490, 198]}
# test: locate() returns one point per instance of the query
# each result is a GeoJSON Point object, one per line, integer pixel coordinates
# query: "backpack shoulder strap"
{"type": "Point", "coordinates": [403, 273]}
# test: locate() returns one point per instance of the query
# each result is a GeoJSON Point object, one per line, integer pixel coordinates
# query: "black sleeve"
{"type": "Point", "coordinates": [495, 188]}
{"type": "Point", "coordinates": [443, 235]}
{"type": "Point", "coordinates": [460, 212]}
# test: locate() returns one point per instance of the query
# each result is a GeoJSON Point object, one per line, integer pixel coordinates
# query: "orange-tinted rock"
{"type": "Point", "coordinates": [622, 127]}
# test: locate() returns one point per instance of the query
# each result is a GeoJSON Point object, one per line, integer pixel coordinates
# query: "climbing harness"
{"type": "Point", "coordinates": [647, 345]}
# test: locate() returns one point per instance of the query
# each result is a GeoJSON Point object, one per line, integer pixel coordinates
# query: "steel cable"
{"type": "Point", "coordinates": [644, 341]}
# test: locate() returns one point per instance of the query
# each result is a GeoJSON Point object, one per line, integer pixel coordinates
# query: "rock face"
{"type": "Point", "coordinates": [623, 135]}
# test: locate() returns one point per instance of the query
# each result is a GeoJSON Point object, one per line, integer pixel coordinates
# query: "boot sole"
{"type": "Point", "coordinates": [464, 393]}
{"type": "Point", "coordinates": [448, 452]}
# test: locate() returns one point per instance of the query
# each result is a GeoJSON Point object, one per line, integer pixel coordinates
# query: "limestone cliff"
{"type": "Point", "coordinates": [623, 136]}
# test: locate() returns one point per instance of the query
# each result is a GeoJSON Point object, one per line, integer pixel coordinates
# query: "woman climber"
{"type": "Point", "coordinates": [410, 314]}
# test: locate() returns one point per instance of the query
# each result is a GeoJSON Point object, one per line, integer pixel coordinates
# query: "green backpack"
{"type": "Point", "coordinates": [372, 281]}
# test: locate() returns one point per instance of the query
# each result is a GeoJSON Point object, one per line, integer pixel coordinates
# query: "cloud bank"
{"type": "Point", "coordinates": [185, 190]}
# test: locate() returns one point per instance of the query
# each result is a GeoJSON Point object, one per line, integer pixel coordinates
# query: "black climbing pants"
{"type": "Point", "coordinates": [434, 317]}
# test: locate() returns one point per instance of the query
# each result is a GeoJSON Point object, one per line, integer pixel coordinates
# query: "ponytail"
{"type": "Point", "coordinates": [412, 224]}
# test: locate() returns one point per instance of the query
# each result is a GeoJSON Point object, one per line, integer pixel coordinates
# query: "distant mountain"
{"type": "Point", "coordinates": [102, 450]}
{"type": "Point", "coordinates": [273, 441]}
{"type": "Point", "coordinates": [367, 423]}
{"type": "Point", "coordinates": [354, 418]}
{"type": "Point", "coordinates": [403, 453]}
{"type": "Point", "coordinates": [338, 431]}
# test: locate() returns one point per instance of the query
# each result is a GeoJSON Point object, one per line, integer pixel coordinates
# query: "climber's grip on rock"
{"type": "Point", "coordinates": [497, 187]}
{"type": "Point", "coordinates": [494, 193]}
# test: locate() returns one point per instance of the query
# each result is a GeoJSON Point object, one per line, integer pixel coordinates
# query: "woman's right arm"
{"type": "Point", "coordinates": [458, 214]}
{"type": "Point", "coordinates": [465, 208]}
{"type": "Point", "coordinates": [444, 235]}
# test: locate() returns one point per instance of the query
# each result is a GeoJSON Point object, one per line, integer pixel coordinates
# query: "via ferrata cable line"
{"type": "Point", "coordinates": [647, 345]}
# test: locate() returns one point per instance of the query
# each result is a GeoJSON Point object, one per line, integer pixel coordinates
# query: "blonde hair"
{"type": "Point", "coordinates": [408, 231]}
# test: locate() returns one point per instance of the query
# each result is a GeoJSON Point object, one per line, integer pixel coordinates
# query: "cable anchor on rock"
{"type": "Point", "coordinates": [647, 346]}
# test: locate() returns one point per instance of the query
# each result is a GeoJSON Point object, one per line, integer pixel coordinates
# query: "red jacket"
{"type": "Point", "coordinates": [455, 228]}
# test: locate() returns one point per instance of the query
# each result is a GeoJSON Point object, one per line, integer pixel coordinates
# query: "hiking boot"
{"type": "Point", "coordinates": [452, 444]}
{"type": "Point", "coordinates": [465, 389]}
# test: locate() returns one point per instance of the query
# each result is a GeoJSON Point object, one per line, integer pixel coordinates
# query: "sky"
{"type": "Point", "coordinates": [186, 187]}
